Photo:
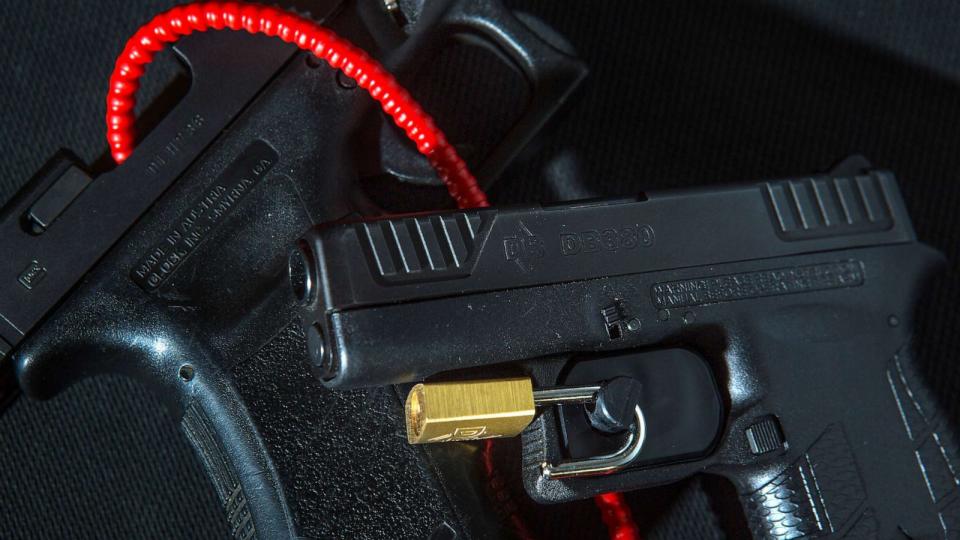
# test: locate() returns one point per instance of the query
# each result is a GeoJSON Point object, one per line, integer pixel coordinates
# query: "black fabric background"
{"type": "Point", "coordinates": [681, 93]}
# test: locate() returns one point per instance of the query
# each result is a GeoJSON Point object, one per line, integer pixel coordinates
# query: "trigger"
{"type": "Point", "coordinates": [613, 410]}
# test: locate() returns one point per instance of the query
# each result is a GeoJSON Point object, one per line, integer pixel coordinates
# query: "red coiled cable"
{"type": "Point", "coordinates": [501, 493]}
{"type": "Point", "coordinates": [616, 516]}
{"type": "Point", "coordinates": [614, 510]}
{"type": "Point", "coordinates": [307, 35]}
{"type": "Point", "coordinates": [356, 64]}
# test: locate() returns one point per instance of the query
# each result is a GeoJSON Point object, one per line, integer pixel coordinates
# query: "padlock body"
{"type": "Point", "coordinates": [462, 411]}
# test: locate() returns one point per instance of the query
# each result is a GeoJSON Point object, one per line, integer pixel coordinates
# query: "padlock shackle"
{"type": "Point", "coordinates": [605, 464]}
{"type": "Point", "coordinates": [567, 395]}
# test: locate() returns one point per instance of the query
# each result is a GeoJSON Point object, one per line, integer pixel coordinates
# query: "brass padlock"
{"type": "Point", "coordinates": [464, 411]}
{"type": "Point", "coordinates": [485, 409]}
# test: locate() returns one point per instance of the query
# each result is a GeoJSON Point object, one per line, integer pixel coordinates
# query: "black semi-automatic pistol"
{"type": "Point", "coordinates": [172, 267]}
{"type": "Point", "coordinates": [766, 329]}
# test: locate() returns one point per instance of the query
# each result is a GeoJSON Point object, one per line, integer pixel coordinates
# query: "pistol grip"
{"type": "Point", "coordinates": [832, 487]}
{"type": "Point", "coordinates": [274, 443]}
{"type": "Point", "coordinates": [189, 380]}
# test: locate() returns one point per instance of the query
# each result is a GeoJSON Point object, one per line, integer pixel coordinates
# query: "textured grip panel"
{"type": "Point", "coordinates": [821, 493]}
{"type": "Point", "coordinates": [197, 427]}
{"type": "Point", "coordinates": [819, 207]}
{"type": "Point", "coordinates": [423, 248]}
{"type": "Point", "coordinates": [344, 462]}
{"type": "Point", "coordinates": [935, 446]}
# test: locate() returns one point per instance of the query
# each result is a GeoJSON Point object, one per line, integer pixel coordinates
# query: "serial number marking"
{"type": "Point", "coordinates": [711, 290]}
{"type": "Point", "coordinates": [174, 147]}
{"type": "Point", "coordinates": [193, 226]}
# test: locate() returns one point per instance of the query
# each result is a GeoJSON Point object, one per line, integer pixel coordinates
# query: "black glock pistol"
{"type": "Point", "coordinates": [172, 267]}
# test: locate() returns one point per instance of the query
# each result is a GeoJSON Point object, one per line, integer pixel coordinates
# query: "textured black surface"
{"type": "Point", "coordinates": [103, 460]}
{"type": "Point", "coordinates": [707, 93]}
{"type": "Point", "coordinates": [311, 433]}
{"type": "Point", "coordinates": [819, 494]}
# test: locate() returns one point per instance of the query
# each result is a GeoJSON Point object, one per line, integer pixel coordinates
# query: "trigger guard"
{"type": "Point", "coordinates": [524, 43]}
{"type": "Point", "coordinates": [189, 381]}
